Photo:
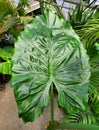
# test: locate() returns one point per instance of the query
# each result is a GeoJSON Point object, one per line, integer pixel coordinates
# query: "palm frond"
{"type": "Point", "coordinates": [79, 16]}
{"type": "Point", "coordinates": [8, 24]}
{"type": "Point", "coordinates": [9, 15]}
{"type": "Point", "coordinates": [89, 34]}
{"type": "Point", "coordinates": [94, 101]}
{"type": "Point", "coordinates": [84, 117]}
{"type": "Point", "coordinates": [6, 10]}
{"type": "Point", "coordinates": [94, 79]}
{"type": "Point", "coordinates": [94, 87]}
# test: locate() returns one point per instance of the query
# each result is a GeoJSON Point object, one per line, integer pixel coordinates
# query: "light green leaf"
{"type": "Point", "coordinates": [5, 67]}
{"type": "Point", "coordinates": [48, 51]}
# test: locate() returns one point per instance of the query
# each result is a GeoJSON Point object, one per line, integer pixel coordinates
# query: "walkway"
{"type": "Point", "coordinates": [9, 118]}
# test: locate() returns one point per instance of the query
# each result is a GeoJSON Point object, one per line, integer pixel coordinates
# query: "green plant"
{"type": "Point", "coordinates": [10, 26]}
{"type": "Point", "coordinates": [7, 9]}
{"type": "Point", "coordinates": [21, 5]}
{"type": "Point", "coordinates": [89, 34]}
{"type": "Point", "coordinates": [48, 54]}
{"type": "Point", "coordinates": [85, 21]}
{"type": "Point", "coordinates": [8, 19]}
{"type": "Point", "coordinates": [51, 5]}
{"type": "Point", "coordinates": [82, 117]}
{"type": "Point", "coordinates": [94, 86]}
{"type": "Point", "coordinates": [80, 15]}
{"type": "Point", "coordinates": [6, 54]}
{"type": "Point", "coordinates": [72, 126]}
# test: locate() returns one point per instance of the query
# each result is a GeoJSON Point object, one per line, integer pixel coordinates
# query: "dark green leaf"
{"type": "Point", "coordinates": [72, 126]}
{"type": "Point", "coordinates": [6, 52]}
{"type": "Point", "coordinates": [94, 86]}
{"type": "Point", "coordinates": [83, 117]}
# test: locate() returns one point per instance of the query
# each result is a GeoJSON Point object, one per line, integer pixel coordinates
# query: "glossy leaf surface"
{"type": "Point", "coordinates": [49, 51]}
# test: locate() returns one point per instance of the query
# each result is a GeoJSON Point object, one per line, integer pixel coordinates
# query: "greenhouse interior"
{"type": "Point", "coordinates": [49, 64]}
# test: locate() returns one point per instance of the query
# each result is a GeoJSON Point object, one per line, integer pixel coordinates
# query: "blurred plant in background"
{"type": "Point", "coordinates": [10, 26]}
{"type": "Point", "coordinates": [80, 15]}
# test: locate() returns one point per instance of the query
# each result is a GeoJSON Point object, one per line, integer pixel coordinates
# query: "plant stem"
{"type": "Point", "coordinates": [52, 104]}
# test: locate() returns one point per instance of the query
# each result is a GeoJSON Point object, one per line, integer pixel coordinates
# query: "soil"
{"type": "Point", "coordinates": [9, 119]}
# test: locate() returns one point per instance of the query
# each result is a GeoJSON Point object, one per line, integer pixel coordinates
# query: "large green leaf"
{"type": "Point", "coordinates": [49, 51]}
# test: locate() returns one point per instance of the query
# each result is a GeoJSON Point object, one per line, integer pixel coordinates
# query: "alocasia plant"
{"type": "Point", "coordinates": [49, 54]}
